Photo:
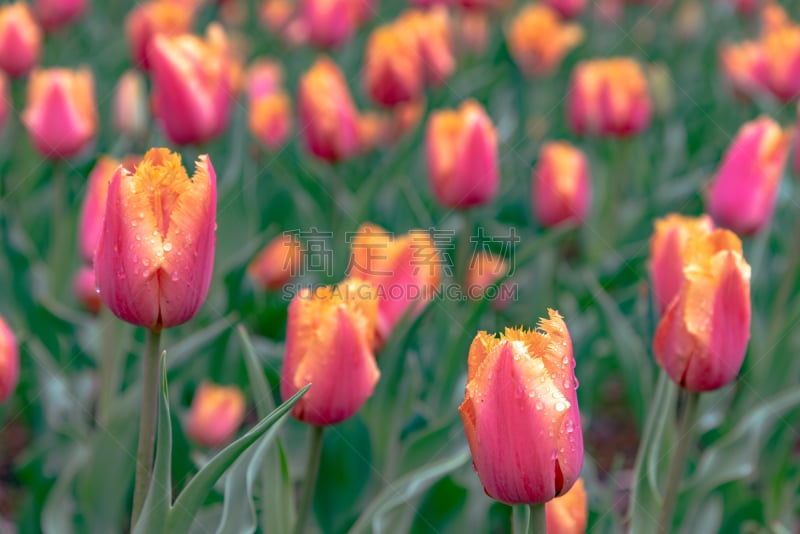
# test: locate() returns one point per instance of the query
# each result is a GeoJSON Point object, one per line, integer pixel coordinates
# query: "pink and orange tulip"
{"type": "Point", "coordinates": [129, 112]}
{"type": "Point", "coordinates": [461, 152]}
{"type": "Point", "coordinates": [483, 271]}
{"type": "Point", "coordinates": [702, 337]}
{"type": "Point", "coordinates": [9, 361]}
{"type": "Point", "coordinates": [782, 62]}
{"type": "Point", "coordinates": [20, 39]}
{"type": "Point", "coordinates": [269, 113]}
{"type": "Point", "coordinates": [156, 252]}
{"type": "Point", "coordinates": [568, 514]}
{"type": "Point", "coordinates": [561, 185]}
{"type": "Point", "coordinates": [215, 414]}
{"type": "Point", "coordinates": [520, 413]}
{"type": "Point", "coordinates": [55, 14]}
{"type": "Point", "coordinates": [277, 263]}
{"type": "Point", "coordinates": [61, 114]}
{"type": "Point", "coordinates": [742, 196]}
{"type": "Point", "coordinates": [93, 210]}
{"type": "Point", "coordinates": [393, 66]}
{"type": "Point", "coordinates": [431, 31]}
{"type": "Point", "coordinates": [85, 289]}
{"type": "Point", "coordinates": [329, 23]}
{"type": "Point", "coordinates": [539, 40]}
{"type": "Point", "coordinates": [743, 67]}
{"type": "Point", "coordinates": [148, 19]}
{"type": "Point", "coordinates": [569, 9]}
{"type": "Point", "coordinates": [329, 338]}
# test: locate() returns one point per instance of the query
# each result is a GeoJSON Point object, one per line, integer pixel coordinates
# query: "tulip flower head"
{"type": "Point", "coordinates": [55, 14]}
{"type": "Point", "coordinates": [156, 252]}
{"type": "Point", "coordinates": [60, 115]}
{"type": "Point", "coordinates": [461, 152]}
{"type": "Point", "coordinates": [93, 209]}
{"type": "Point", "coordinates": [702, 337]}
{"type": "Point", "coordinates": [148, 19]}
{"type": "Point", "coordinates": [568, 514]}
{"type": "Point", "coordinates": [277, 263]}
{"type": "Point", "coordinates": [329, 23]}
{"type": "Point", "coordinates": [561, 185]}
{"type": "Point", "coordinates": [393, 66]}
{"type": "Point", "coordinates": [404, 270]}
{"type": "Point", "coordinates": [85, 289]}
{"type": "Point", "coordinates": [743, 67]}
{"type": "Point", "coordinates": [329, 338]}
{"type": "Point", "coordinates": [129, 105]}
{"type": "Point", "coordinates": [782, 62]}
{"type": "Point", "coordinates": [9, 361]}
{"type": "Point", "coordinates": [569, 9]}
{"type": "Point", "coordinates": [269, 114]}
{"type": "Point", "coordinates": [431, 31]}
{"type": "Point", "coordinates": [538, 40]}
{"type": "Point", "coordinates": [667, 251]}
{"type": "Point", "coordinates": [215, 415]}
{"type": "Point", "coordinates": [483, 271]}
{"type": "Point", "coordinates": [520, 413]}
{"type": "Point", "coordinates": [20, 39]}
{"type": "Point", "coordinates": [743, 194]}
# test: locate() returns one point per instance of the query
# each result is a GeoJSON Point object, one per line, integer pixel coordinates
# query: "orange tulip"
{"type": "Point", "coordinates": [520, 413]}
{"type": "Point", "coordinates": [9, 361]}
{"type": "Point", "coordinates": [60, 115]}
{"type": "Point", "coordinates": [329, 337]}
{"type": "Point", "coordinates": [156, 252]}
{"type": "Point", "coordinates": [20, 39]}
{"type": "Point", "coordinates": [568, 514]}
{"type": "Point", "coordinates": [702, 338]}
{"type": "Point", "coordinates": [148, 19]}
{"type": "Point", "coordinates": [561, 185]}
{"type": "Point", "coordinates": [277, 263]}
{"type": "Point", "coordinates": [782, 62]}
{"type": "Point", "coordinates": [538, 40]}
{"type": "Point", "coordinates": [393, 66]}
{"type": "Point", "coordinates": [215, 415]}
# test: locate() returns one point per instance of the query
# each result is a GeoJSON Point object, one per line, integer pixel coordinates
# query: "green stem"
{"type": "Point", "coordinates": [109, 365]}
{"type": "Point", "coordinates": [464, 250]}
{"type": "Point", "coordinates": [678, 464]}
{"type": "Point", "coordinates": [528, 519]}
{"type": "Point", "coordinates": [538, 523]}
{"type": "Point", "coordinates": [314, 456]}
{"type": "Point", "coordinates": [147, 424]}
{"type": "Point", "coordinates": [57, 240]}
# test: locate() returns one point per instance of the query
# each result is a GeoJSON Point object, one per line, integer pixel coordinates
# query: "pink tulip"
{"type": "Point", "coordinates": [561, 185]}
{"type": "Point", "coordinates": [329, 23]}
{"type": "Point", "coordinates": [20, 39]}
{"type": "Point", "coordinates": [269, 109]}
{"type": "Point", "coordinates": [148, 19]}
{"type": "Point", "coordinates": [55, 14]}
{"type": "Point", "coordinates": [9, 361]}
{"type": "Point", "coordinates": [569, 9]}
{"type": "Point", "coordinates": [85, 289]}
{"type": "Point", "coordinates": [215, 415]}
{"type": "Point", "coordinates": [94, 206]}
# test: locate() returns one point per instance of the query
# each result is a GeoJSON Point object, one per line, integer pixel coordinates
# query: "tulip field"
{"type": "Point", "coordinates": [400, 266]}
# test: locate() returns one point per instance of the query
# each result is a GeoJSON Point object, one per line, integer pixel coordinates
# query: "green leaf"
{"type": "Point", "coordinates": [190, 345]}
{"type": "Point", "coordinates": [262, 395]}
{"type": "Point", "coordinates": [58, 512]}
{"type": "Point", "coordinates": [374, 518]}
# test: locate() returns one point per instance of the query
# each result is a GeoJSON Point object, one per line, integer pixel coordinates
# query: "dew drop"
{"type": "Point", "coordinates": [141, 215]}
{"type": "Point", "coordinates": [175, 276]}
{"type": "Point", "coordinates": [560, 406]}
{"type": "Point", "coordinates": [133, 223]}
{"type": "Point", "coordinates": [539, 405]}
{"type": "Point", "coordinates": [167, 246]}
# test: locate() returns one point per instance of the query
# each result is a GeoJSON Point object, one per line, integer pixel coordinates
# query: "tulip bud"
{"type": "Point", "coordinates": [328, 116]}
{"type": "Point", "coordinates": [568, 514]}
{"type": "Point", "coordinates": [9, 361]}
{"type": "Point", "coordinates": [55, 14]}
{"type": "Point", "coordinates": [193, 84]}
{"type": "Point", "coordinates": [782, 62]}
{"type": "Point", "coordinates": [667, 250]}
{"type": "Point", "coordinates": [85, 289]}
{"type": "Point", "coordinates": [329, 23]}
{"type": "Point", "coordinates": [277, 263]}
{"type": "Point", "coordinates": [403, 270]}
{"type": "Point", "coordinates": [269, 118]}
{"type": "Point", "coordinates": [156, 252]}
{"type": "Point", "coordinates": [561, 185]}
{"type": "Point", "coordinates": [569, 9]}
{"type": "Point", "coordinates": [20, 39]}
{"type": "Point", "coordinates": [215, 415]}
{"type": "Point", "coordinates": [329, 337]}
{"type": "Point", "coordinates": [148, 19]}
{"type": "Point", "coordinates": [520, 413]}
{"type": "Point", "coordinates": [461, 152]}
{"type": "Point", "coordinates": [538, 40]}
{"type": "Point", "coordinates": [60, 115]}
{"type": "Point", "coordinates": [431, 32]}
{"type": "Point", "coordinates": [608, 97]}
{"type": "Point", "coordinates": [483, 271]}
{"type": "Point", "coordinates": [94, 206]}
{"type": "Point", "coordinates": [393, 66]}
{"type": "Point", "coordinates": [743, 194]}
{"type": "Point", "coordinates": [702, 338]}
{"type": "Point", "coordinates": [129, 105]}
{"type": "Point", "coordinates": [743, 67]}
{"type": "Point", "coordinates": [472, 32]}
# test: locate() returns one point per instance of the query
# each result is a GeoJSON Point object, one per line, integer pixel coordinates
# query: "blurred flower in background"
{"type": "Point", "coordinates": [129, 112]}
{"type": "Point", "coordinates": [568, 514]}
{"type": "Point", "coordinates": [9, 361]}
{"type": "Point", "coordinates": [539, 40]}
{"type": "Point", "coordinates": [269, 109]}
{"type": "Point", "coordinates": [84, 287]}
{"type": "Point", "coordinates": [55, 14]}
{"type": "Point", "coordinates": [215, 414]}
{"type": "Point", "coordinates": [20, 39]}
{"type": "Point", "coordinates": [148, 19]}
{"type": "Point", "coordinates": [569, 9]}
{"type": "Point", "coordinates": [277, 263]}
{"type": "Point", "coordinates": [561, 185]}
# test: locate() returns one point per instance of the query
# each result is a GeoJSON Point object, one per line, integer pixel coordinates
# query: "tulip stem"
{"type": "Point", "coordinates": [528, 519]}
{"type": "Point", "coordinates": [109, 365]}
{"type": "Point", "coordinates": [678, 464]}
{"type": "Point", "coordinates": [538, 522]}
{"type": "Point", "coordinates": [312, 469]}
{"type": "Point", "coordinates": [147, 422]}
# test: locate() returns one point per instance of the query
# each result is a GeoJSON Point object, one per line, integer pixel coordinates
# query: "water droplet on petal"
{"type": "Point", "coordinates": [560, 406]}
{"type": "Point", "coordinates": [175, 276]}
{"type": "Point", "coordinates": [167, 246]}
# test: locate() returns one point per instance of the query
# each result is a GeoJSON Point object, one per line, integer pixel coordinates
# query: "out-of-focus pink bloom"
{"type": "Point", "coordinates": [156, 252]}
{"type": "Point", "coordinates": [277, 263]}
{"type": "Point", "coordinates": [55, 14]}
{"type": "Point", "coordinates": [608, 97]}
{"type": "Point", "coordinates": [60, 115]}
{"type": "Point", "coordinates": [328, 116]}
{"type": "Point", "coordinates": [745, 8]}
{"type": "Point", "coordinates": [743, 66]}
{"type": "Point", "coordinates": [568, 514]}
{"type": "Point", "coordinates": [129, 111]}
{"type": "Point", "coordinates": [521, 415]}
{"type": "Point", "coordinates": [9, 361]}
{"type": "Point", "coordinates": [483, 271]}
{"type": "Point", "coordinates": [483, 5]}
{"type": "Point", "coordinates": [329, 23]}
{"type": "Point", "coordinates": [93, 209]}
{"type": "Point", "coordinates": [461, 152]}
{"type": "Point", "coordinates": [431, 31]}
{"type": "Point", "coordinates": [85, 289]}
{"type": "Point", "coordinates": [561, 185]}
{"type": "Point", "coordinates": [539, 40]}
{"type": "Point", "coordinates": [148, 19]}
{"type": "Point", "coordinates": [20, 39]}
{"type": "Point", "coordinates": [782, 62]}
{"type": "Point", "coordinates": [269, 112]}
{"type": "Point", "coordinates": [215, 415]}
{"type": "Point", "coordinates": [393, 66]}
{"type": "Point", "coordinates": [743, 194]}
{"type": "Point", "coordinates": [569, 9]}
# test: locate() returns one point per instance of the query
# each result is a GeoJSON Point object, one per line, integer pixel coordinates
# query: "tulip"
{"type": "Point", "coordinates": [60, 115]}
{"type": "Point", "coordinates": [393, 66]}
{"type": "Point", "coordinates": [461, 152]}
{"type": "Point", "coordinates": [94, 206]}
{"type": "Point", "coordinates": [569, 9]}
{"type": "Point", "coordinates": [568, 514]}
{"type": "Point", "coordinates": [129, 105]}
{"type": "Point", "coordinates": [328, 116]}
{"type": "Point", "coordinates": [329, 337]}
{"type": "Point", "coordinates": [55, 14]}
{"type": "Point", "coordinates": [9, 361]}
{"type": "Point", "coordinates": [782, 62]}
{"type": "Point", "coordinates": [538, 40]}
{"type": "Point", "coordinates": [215, 415]}
{"type": "Point", "coordinates": [329, 23]}
{"type": "Point", "coordinates": [608, 97]}
{"type": "Point", "coordinates": [743, 67]}
{"type": "Point", "coordinates": [193, 84]}
{"type": "Point", "coordinates": [667, 248]}
{"type": "Point", "coordinates": [746, 8]}
{"type": "Point", "coordinates": [483, 5]}
{"type": "Point", "coordinates": [277, 263]}
{"type": "Point", "coordinates": [561, 185]}
{"type": "Point", "coordinates": [269, 118]}
{"type": "Point", "coordinates": [20, 39]}
{"type": "Point", "coordinates": [520, 413]}
{"type": "Point", "coordinates": [483, 271]}
{"type": "Point", "coordinates": [743, 194]}
{"type": "Point", "coordinates": [373, 130]}
{"type": "Point", "coordinates": [156, 252]}
{"type": "Point", "coordinates": [472, 32]}
{"type": "Point", "coordinates": [405, 272]}
{"type": "Point", "coordinates": [431, 32]}
{"type": "Point", "coordinates": [773, 17]}
{"type": "Point", "coordinates": [148, 19]}
{"type": "Point", "coordinates": [85, 289]}
{"type": "Point", "coordinates": [702, 338]}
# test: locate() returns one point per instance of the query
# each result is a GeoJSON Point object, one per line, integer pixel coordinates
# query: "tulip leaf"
{"type": "Point", "coordinates": [189, 345]}
{"type": "Point", "coordinates": [375, 516]}
{"type": "Point", "coordinates": [194, 494]}
{"type": "Point", "coordinates": [57, 515]}
{"type": "Point", "coordinates": [262, 395]}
